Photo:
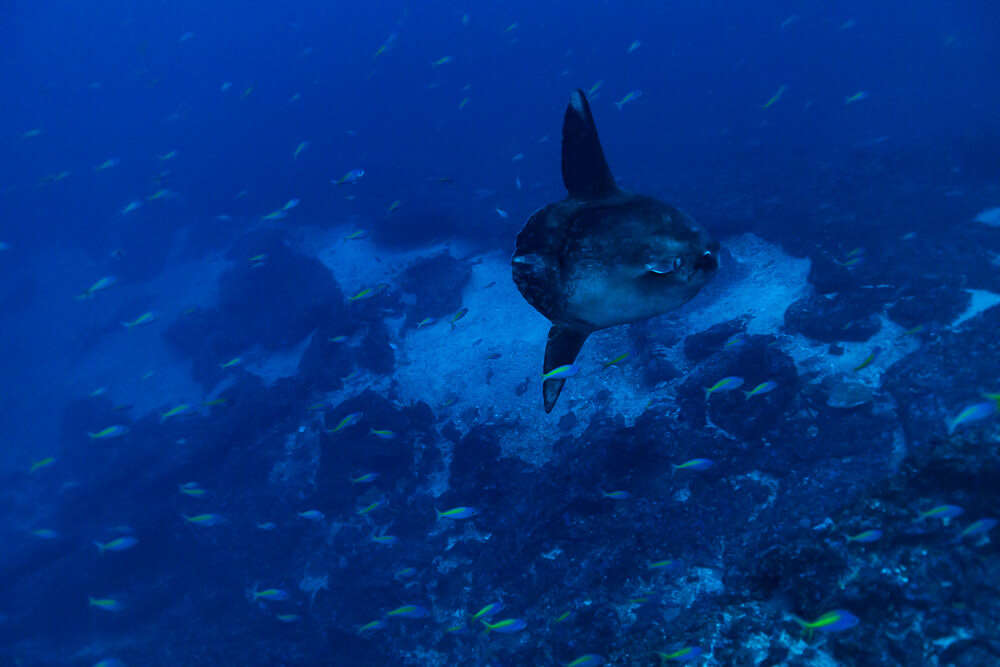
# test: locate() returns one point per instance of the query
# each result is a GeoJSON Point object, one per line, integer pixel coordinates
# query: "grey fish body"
{"type": "Point", "coordinates": [603, 256]}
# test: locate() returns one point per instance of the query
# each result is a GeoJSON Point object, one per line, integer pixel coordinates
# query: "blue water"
{"type": "Point", "coordinates": [820, 128]}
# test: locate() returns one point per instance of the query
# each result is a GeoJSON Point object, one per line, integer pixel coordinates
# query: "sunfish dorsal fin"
{"type": "Point", "coordinates": [561, 350]}
{"type": "Point", "coordinates": [585, 171]}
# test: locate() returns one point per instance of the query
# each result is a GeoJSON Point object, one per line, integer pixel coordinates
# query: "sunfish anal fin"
{"type": "Point", "coordinates": [561, 350]}
{"type": "Point", "coordinates": [585, 171]}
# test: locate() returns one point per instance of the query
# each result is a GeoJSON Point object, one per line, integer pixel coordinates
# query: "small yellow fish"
{"type": "Point", "coordinates": [363, 294]}
{"type": "Point", "coordinates": [442, 61]}
{"type": "Point", "coordinates": [42, 463]}
{"type": "Point", "coordinates": [774, 98]}
{"type": "Point", "coordinates": [168, 156]}
{"type": "Point", "coordinates": [174, 411]}
{"type": "Point", "coordinates": [107, 164]}
{"type": "Point", "coordinates": [235, 361]}
{"type": "Point", "coordinates": [145, 318]}
{"type": "Point", "coordinates": [630, 96]}
{"type": "Point", "coordinates": [298, 149]}
{"type": "Point", "coordinates": [856, 97]}
{"type": "Point", "coordinates": [102, 284]}
{"type": "Point", "coordinates": [55, 178]}
{"type": "Point", "coordinates": [114, 431]}
{"type": "Point", "coordinates": [394, 205]}
{"type": "Point", "coordinates": [192, 489]}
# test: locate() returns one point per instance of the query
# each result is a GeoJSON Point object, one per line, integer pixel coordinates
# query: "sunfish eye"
{"type": "Point", "coordinates": [707, 262]}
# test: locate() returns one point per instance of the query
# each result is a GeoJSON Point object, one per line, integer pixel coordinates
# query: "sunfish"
{"type": "Point", "coordinates": [603, 256]}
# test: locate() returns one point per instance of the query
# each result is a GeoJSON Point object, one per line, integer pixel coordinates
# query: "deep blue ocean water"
{"type": "Point", "coordinates": [263, 382]}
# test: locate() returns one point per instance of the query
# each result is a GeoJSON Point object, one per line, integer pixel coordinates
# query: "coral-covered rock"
{"type": "Point", "coordinates": [839, 317]}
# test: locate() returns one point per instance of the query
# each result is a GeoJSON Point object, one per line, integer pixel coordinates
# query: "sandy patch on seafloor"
{"type": "Point", "coordinates": [438, 363]}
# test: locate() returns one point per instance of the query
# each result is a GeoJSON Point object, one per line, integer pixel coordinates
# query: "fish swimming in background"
{"type": "Point", "coordinates": [975, 412]}
{"type": "Point", "coordinates": [630, 96]}
{"type": "Point", "coordinates": [350, 178]}
{"type": "Point", "coordinates": [695, 464]}
{"type": "Point", "coordinates": [867, 361]}
{"type": "Point", "coordinates": [118, 544]}
{"type": "Point", "coordinates": [614, 362]}
{"type": "Point", "coordinates": [456, 513]}
{"type": "Point", "coordinates": [856, 97]}
{"type": "Point", "coordinates": [774, 98]}
{"type": "Point", "coordinates": [42, 463]}
{"type": "Point", "coordinates": [685, 654]}
{"type": "Point", "coordinates": [581, 262]}
{"type": "Point", "coordinates": [832, 621]}
{"type": "Point", "coordinates": [271, 594]}
{"type": "Point", "coordinates": [349, 420]}
{"type": "Point", "coordinates": [762, 388]}
{"type": "Point", "coordinates": [191, 489]}
{"type": "Point", "coordinates": [174, 411]}
{"type": "Point", "coordinates": [101, 284]}
{"type": "Point", "coordinates": [368, 509]}
{"type": "Point", "coordinates": [206, 520]}
{"type": "Point", "coordinates": [866, 537]}
{"type": "Point", "coordinates": [980, 527]}
{"type": "Point", "coordinates": [145, 318]}
{"type": "Point", "coordinates": [373, 625]}
{"type": "Point", "coordinates": [941, 512]}
{"type": "Point", "coordinates": [507, 625]}
{"type": "Point", "coordinates": [725, 384]}
{"type": "Point", "coordinates": [561, 372]}
{"type": "Point", "coordinates": [115, 431]}
{"type": "Point", "coordinates": [408, 611]}
{"type": "Point", "coordinates": [462, 312]}
{"type": "Point", "coordinates": [105, 604]}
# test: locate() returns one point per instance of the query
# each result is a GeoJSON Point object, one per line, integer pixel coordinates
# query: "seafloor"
{"type": "Point", "coordinates": [870, 358]}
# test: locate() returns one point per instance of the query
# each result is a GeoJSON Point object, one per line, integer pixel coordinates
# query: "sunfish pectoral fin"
{"type": "Point", "coordinates": [585, 171]}
{"type": "Point", "coordinates": [561, 350]}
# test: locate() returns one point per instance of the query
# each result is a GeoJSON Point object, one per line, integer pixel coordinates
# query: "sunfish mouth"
{"type": "Point", "coordinates": [707, 262]}
{"type": "Point", "coordinates": [661, 268]}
